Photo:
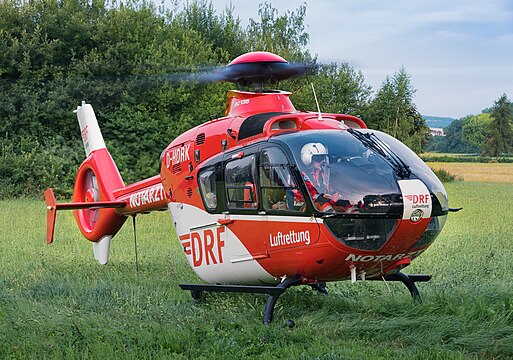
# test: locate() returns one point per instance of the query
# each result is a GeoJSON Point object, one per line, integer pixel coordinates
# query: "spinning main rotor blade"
{"type": "Point", "coordinates": [244, 73]}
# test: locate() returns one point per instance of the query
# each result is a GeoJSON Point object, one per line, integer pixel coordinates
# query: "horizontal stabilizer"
{"type": "Point", "coordinates": [52, 207]}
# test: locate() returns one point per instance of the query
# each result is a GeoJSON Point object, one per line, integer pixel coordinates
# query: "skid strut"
{"type": "Point", "coordinates": [320, 287]}
{"type": "Point", "coordinates": [409, 280]}
{"type": "Point", "coordinates": [271, 300]}
{"type": "Point", "coordinates": [274, 292]}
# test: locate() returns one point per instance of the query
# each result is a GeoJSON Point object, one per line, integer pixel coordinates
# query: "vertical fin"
{"type": "Point", "coordinates": [89, 128]}
{"type": "Point", "coordinates": [51, 209]}
{"type": "Point", "coordinates": [101, 249]}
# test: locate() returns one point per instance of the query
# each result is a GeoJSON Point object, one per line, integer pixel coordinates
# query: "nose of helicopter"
{"type": "Point", "coordinates": [420, 220]}
{"type": "Point", "coordinates": [383, 200]}
{"type": "Point", "coordinates": [377, 247]}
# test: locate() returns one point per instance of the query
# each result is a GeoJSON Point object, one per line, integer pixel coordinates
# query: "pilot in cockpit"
{"type": "Point", "coordinates": [317, 178]}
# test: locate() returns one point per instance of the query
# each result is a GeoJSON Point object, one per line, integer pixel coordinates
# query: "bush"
{"type": "Point", "coordinates": [444, 175]}
{"type": "Point", "coordinates": [465, 159]}
{"type": "Point", "coordinates": [28, 167]}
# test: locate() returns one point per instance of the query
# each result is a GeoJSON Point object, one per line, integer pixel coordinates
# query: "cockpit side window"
{"type": "Point", "coordinates": [279, 190]}
{"type": "Point", "coordinates": [207, 180]}
{"type": "Point", "coordinates": [240, 180]}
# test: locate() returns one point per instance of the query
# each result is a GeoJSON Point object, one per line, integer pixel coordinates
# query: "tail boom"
{"type": "Point", "coordinates": [143, 197]}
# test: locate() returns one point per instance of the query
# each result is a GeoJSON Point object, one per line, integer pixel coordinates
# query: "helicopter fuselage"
{"type": "Point", "coordinates": [219, 195]}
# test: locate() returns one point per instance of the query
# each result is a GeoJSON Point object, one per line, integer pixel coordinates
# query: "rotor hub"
{"type": "Point", "coordinates": [257, 57]}
{"type": "Point", "coordinates": [260, 67]}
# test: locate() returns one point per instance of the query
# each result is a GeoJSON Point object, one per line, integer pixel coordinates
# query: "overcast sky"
{"type": "Point", "coordinates": [459, 52]}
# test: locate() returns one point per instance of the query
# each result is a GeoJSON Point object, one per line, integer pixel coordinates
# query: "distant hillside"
{"type": "Point", "coordinates": [437, 121]}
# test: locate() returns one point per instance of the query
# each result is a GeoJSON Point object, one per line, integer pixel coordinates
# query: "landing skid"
{"type": "Point", "coordinates": [409, 281]}
{"type": "Point", "coordinates": [275, 292]}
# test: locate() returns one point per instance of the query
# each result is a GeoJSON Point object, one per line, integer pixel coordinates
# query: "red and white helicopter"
{"type": "Point", "coordinates": [268, 197]}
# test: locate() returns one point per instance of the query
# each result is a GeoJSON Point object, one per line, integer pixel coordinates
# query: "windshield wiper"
{"type": "Point", "coordinates": [372, 142]}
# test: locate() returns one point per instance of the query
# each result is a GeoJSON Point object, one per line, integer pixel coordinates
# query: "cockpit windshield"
{"type": "Point", "coordinates": [341, 174]}
{"type": "Point", "coordinates": [355, 174]}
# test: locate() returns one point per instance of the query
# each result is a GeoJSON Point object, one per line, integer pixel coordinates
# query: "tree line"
{"type": "Point", "coordinates": [489, 134]}
{"type": "Point", "coordinates": [126, 59]}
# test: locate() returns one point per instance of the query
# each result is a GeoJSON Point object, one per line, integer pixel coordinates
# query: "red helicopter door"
{"type": "Point", "coordinates": [242, 201]}
{"type": "Point", "coordinates": [287, 223]}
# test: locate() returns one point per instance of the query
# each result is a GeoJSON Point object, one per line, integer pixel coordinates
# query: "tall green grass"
{"type": "Point", "coordinates": [56, 302]}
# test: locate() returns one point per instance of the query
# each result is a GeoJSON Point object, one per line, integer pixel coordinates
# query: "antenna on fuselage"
{"type": "Point", "coordinates": [135, 246]}
{"type": "Point", "coordinates": [317, 103]}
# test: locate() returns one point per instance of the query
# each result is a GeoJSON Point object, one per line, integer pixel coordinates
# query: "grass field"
{"type": "Point", "coordinates": [487, 172]}
{"type": "Point", "coordinates": [56, 302]}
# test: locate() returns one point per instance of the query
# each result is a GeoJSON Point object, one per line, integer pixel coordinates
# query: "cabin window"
{"type": "Point", "coordinates": [207, 185]}
{"type": "Point", "coordinates": [240, 183]}
{"type": "Point", "coordinates": [279, 190]}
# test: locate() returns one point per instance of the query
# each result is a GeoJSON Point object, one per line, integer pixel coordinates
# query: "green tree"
{"type": "Point", "coordinates": [499, 138]}
{"type": "Point", "coordinates": [281, 34]}
{"type": "Point", "coordinates": [339, 89]}
{"type": "Point", "coordinates": [394, 112]}
{"type": "Point", "coordinates": [475, 128]}
{"type": "Point", "coordinates": [452, 141]}
{"type": "Point", "coordinates": [223, 32]}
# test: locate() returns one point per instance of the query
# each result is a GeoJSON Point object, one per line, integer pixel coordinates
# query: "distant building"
{"type": "Point", "coordinates": [437, 131]}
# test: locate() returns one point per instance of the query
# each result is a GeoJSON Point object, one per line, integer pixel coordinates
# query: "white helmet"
{"type": "Point", "coordinates": [311, 149]}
